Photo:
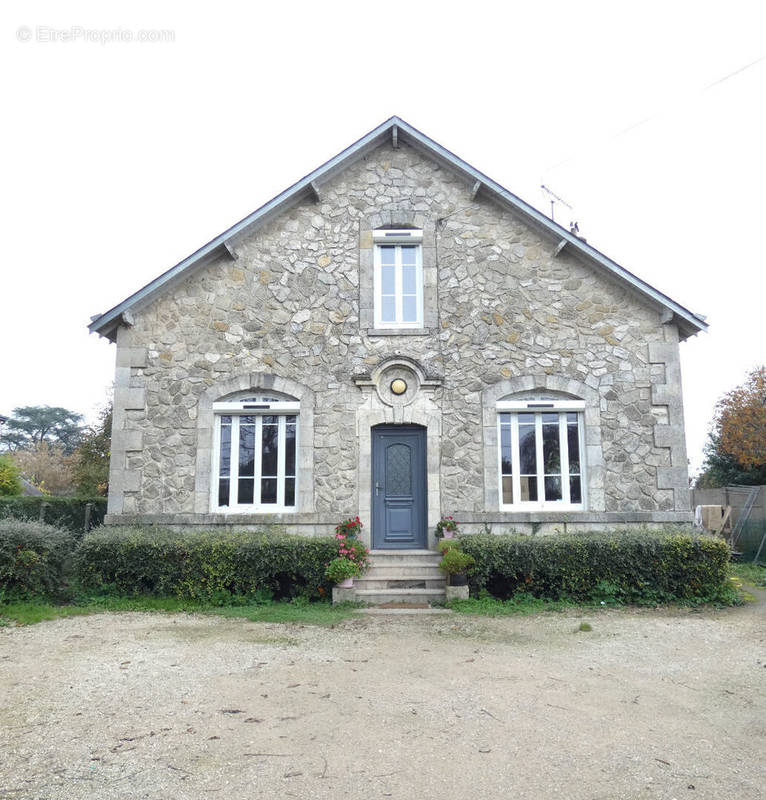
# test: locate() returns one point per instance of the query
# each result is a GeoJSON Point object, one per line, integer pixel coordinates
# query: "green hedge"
{"type": "Point", "coordinates": [63, 512]}
{"type": "Point", "coordinates": [625, 567]}
{"type": "Point", "coordinates": [218, 567]}
{"type": "Point", "coordinates": [33, 559]}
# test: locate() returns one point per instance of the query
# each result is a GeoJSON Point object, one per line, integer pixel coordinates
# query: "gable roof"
{"type": "Point", "coordinates": [394, 129]}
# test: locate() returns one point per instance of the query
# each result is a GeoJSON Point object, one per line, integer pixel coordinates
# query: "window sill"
{"type": "Point", "coordinates": [253, 510]}
{"type": "Point", "coordinates": [534, 508]}
{"type": "Point", "coordinates": [399, 331]}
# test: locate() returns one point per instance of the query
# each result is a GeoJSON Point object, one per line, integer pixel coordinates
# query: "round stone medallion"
{"type": "Point", "coordinates": [397, 385]}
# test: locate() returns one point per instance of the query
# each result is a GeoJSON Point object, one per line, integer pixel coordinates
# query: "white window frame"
{"type": "Point", "coordinates": [538, 407]}
{"type": "Point", "coordinates": [397, 238]}
{"type": "Point", "coordinates": [254, 407]}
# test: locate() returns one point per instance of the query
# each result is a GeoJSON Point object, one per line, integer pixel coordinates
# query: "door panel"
{"type": "Point", "coordinates": [399, 487]}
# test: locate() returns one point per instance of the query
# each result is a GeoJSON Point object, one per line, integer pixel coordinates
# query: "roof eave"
{"type": "Point", "coordinates": [107, 323]}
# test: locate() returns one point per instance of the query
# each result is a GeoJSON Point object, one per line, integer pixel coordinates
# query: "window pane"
{"type": "Point", "coordinates": [249, 420]}
{"type": "Point", "coordinates": [246, 448]}
{"type": "Point", "coordinates": [507, 490]}
{"type": "Point", "coordinates": [409, 280]}
{"type": "Point", "coordinates": [527, 449]}
{"type": "Point", "coordinates": [551, 449]}
{"type": "Point", "coordinates": [226, 420]}
{"type": "Point", "coordinates": [290, 449]}
{"type": "Point", "coordinates": [505, 419]}
{"type": "Point", "coordinates": [387, 254]}
{"type": "Point", "coordinates": [387, 280]}
{"type": "Point", "coordinates": [223, 492]}
{"type": "Point", "coordinates": [573, 443]}
{"type": "Point", "coordinates": [246, 486]}
{"type": "Point", "coordinates": [409, 254]}
{"type": "Point", "coordinates": [289, 491]}
{"type": "Point", "coordinates": [572, 417]}
{"type": "Point", "coordinates": [224, 462]}
{"type": "Point", "coordinates": [398, 470]}
{"type": "Point", "coordinates": [268, 491]}
{"type": "Point", "coordinates": [388, 309]}
{"type": "Point", "coordinates": [409, 308]}
{"type": "Point", "coordinates": [552, 488]}
{"type": "Point", "coordinates": [269, 448]}
{"type": "Point", "coordinates": [506, 460]}
{"type": "Point", "coordinates": [526, 419]}
{"type": "Point", "coordinates": [550, 419]}
{"type": "Point", "coordinates": [528, 488]}
{"type": "Point", "coordinates": [575, 493]}
{"type": "Point", "coordinates": [270, 419]}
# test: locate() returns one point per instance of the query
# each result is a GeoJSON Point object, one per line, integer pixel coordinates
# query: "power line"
{"type": "Point", "coordinates": [654, 116]}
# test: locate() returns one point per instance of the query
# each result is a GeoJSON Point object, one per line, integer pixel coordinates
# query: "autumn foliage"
{"type": "Point", "coordinates": [740, 417]}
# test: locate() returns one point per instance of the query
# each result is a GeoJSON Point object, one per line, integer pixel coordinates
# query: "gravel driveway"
{"type": "Point", "coordinates": [649, 704]}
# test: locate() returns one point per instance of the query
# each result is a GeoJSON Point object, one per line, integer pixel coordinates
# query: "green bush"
{"type": "Point", "coordinates": [643, 567]}
{"type": "Point", "coordinates": [10, 477]}
{"type": "Point", "coordinates": [455, 561]}
{"type": "Point", "coordinates": [61, 512]}
{"type": "Point", "coordinates": [216, 567]}
{"type": "Point", "coordinates": [33, 559]}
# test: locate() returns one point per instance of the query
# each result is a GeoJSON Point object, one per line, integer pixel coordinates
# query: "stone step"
{"type": "Point", "coordinates": [402, 570]}
{"type": "Point", "coordinates": [401, 582]}
{"type": "Point", "coordinates": [394, 557]}
{"type": "Point", "coordinates": [381, 596]}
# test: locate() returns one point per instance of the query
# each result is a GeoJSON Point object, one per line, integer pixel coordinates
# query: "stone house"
{"type": "Point", "coordinates": [398, 336]}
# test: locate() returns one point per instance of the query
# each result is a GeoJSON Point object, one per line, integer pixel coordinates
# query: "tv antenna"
{"type": "Point", "coordinates": [554, 198]}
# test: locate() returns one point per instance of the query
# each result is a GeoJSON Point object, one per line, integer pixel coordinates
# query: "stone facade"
{"type": "Point", "coordinates": [506, 310]}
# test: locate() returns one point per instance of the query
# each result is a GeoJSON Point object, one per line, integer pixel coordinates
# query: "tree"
{"type": "Point", "coordinates": [47, 467]}
{"type": "Point", "coordinates": [92, 457]}
{"type": "Point", "coordinates": [736, 449]}
{"type": "Point", "coordinates": [30, 425]}
{"type": "Point", "coordinates": [10, 483]}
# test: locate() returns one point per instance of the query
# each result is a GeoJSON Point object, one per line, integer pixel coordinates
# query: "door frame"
{"type": "Point", "coordinates": [420, 482]}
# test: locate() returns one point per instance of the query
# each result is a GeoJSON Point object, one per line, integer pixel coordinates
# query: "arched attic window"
{"type": "Point", "coordinates": [255, 448]}
{"type": "Point", "coordinates": [540, 453]}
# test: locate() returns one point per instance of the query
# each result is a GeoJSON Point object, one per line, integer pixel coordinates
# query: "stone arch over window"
{"type": "Point", "coordinates": [403, 219]}
{"type": "Point", "coordinates": [241, 387]}
{"type": "Point", "coordinates": [537, 386]}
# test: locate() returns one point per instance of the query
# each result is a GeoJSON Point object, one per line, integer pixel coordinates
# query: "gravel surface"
{"type": "Point", "coordinates": [649, 704]}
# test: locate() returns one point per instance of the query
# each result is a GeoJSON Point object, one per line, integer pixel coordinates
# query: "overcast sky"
{"type": "Point", "coordinates": [121, 157]}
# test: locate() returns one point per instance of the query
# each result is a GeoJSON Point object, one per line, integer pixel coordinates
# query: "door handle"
{"type": "Point", "coordinates": [377, 488]}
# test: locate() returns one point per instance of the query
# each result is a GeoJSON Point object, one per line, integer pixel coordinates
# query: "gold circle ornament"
{"type": "Point", "coordinates": [398, 386]}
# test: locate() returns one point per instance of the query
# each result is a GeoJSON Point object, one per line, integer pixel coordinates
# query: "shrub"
{"type": "Point", "coordinates": [455, 561]}
{"type": "Point", "coordinates": [217, 567]}
{"type": "Point", "coordinates": [626, 567]}
{"type": "Point", "coordinates": [33, 559]}
{"type": "Point", "coordinates": [62, 512]}
{"type": "Point", "coordinates": [10, 477]}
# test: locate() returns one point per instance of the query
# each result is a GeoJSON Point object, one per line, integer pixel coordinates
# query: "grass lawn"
{"type": "Point", "coordinates": [750, 573]}
{"type": "Point", "coordinates": [313, 613]}
{"type": "Point", "coordinates": [299, 612]}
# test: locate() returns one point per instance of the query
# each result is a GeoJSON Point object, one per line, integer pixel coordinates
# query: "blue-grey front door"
{"type": "Point", "coordinates": [399, 487]}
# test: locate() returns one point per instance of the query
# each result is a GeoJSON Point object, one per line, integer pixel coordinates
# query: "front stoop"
{"type": "Point", "coordinates": [398, 576]}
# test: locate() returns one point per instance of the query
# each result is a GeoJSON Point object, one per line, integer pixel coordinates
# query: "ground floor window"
{"type": "Point", "coordinates": [256, 447]}
{"type": "Point", "coordinates": [540, 454]}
